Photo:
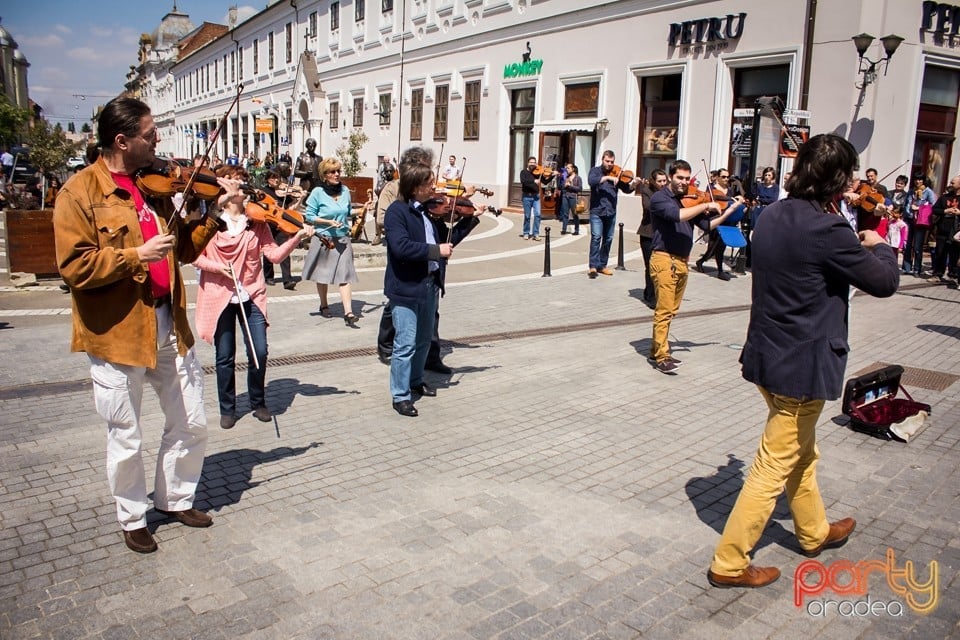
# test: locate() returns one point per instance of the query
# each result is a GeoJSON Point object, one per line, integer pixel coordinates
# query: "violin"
{"type": "Point", "coordinates": [456, 188]}
{"type": "Point", "coordinates": [868, 198]}
{"type": "Point", "coordinates": [545, 172]}
{"type": "Point", "coordinates": [264, 208]}
{"type": "Point", "coordinates": [448, 208]}
{"type": "Point", "coordinates": [164, 179]}
{"type": "Point", "coordinates": [624, 175]}
{"type": "Point", "coordinates": [693, 197]}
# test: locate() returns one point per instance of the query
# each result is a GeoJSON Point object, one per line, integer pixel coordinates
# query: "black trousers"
{"type": "Point", "coordinates": [715, 249]}
{"type": "Point", "coordinates": [386, 333]}
{"type": "Point", "coordinates": [646, 248]}
{"type": "Point", "coordinates": [279, 237]}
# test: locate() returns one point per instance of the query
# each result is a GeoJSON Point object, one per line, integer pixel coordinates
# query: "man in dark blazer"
{"type": "Point", "coordinates": [417, 253]}
{"type": "Point", "coordinates": [804, 262]}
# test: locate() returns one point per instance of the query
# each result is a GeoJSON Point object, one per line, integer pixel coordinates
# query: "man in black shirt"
{"type": "Point", "coordinates": [673, 222]}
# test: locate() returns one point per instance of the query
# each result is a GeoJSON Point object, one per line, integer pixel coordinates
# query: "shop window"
{"type": "Point", "coordinates": [358, 112]}
{"type": "Point", "coordinates": [581, 100]}
{"type": "Point", "coordinates": [936, 123]}
{"type": "Point", "coordinates": [660, 121]}
{"type": "Point", "coordinates": [748, 85]}
{"type": "Point", "coordinates": [416, 114]}
{"type": "Point", "coordinates": [334, 115]}
{"type": "Point", "coordinates": [471, 111]}
{"type": "Point", "coordinates": [440, 107]}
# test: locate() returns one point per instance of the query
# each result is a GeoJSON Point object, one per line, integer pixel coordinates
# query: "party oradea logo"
{"type": "Point", "coordinates": [814, 582]}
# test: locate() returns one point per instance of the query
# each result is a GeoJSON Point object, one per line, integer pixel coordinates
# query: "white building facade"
{"type": "Point", "coordinates": [495, 81]}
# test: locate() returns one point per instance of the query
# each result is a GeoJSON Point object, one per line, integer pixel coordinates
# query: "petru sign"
{"type": "Point", "coordinates": [847, 578]}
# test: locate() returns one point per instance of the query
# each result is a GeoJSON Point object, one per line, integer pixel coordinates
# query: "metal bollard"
{"type": "Point", "coordinates": [620, 266]}
{"type": "Point", "coordinates": [546, 254]}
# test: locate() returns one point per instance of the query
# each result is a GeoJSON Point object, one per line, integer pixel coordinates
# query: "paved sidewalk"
{"type": "Point", "coordinates": [557, 487]}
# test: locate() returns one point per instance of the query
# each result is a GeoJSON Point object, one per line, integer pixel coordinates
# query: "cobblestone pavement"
{"type": "Point", "coordinates": [557, 487]}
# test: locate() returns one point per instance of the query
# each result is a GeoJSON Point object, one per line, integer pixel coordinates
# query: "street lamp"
{"type": "Point", "coordinates": [868, 67]}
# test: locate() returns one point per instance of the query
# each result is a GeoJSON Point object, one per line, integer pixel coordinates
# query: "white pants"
{"type": "Point", "coordinates": [118, 394]}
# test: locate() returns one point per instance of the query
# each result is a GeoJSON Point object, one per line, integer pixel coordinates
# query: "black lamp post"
{"type": "Point", "coordinates": [868, 67]}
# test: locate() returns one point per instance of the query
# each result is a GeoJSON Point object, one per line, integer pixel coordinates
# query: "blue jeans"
{"type": "Point", "coordinates": [601, 237]}
{"type": "Point", "coordinates": [913, 252]}
{"type": "Point", "coordinates": [568, 207]}
{"type": "Point", "coordinates": [225, 346]}
{"type": "Point", "coordinates": [414, 329]}
{"type": "Point", "coordinates": [531, 204]}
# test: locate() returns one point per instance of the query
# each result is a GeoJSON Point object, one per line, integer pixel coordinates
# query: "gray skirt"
{"type": "Point", "coordinates": [330, 266]}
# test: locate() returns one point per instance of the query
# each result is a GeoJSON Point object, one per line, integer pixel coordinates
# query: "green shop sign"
{"type": "Point", "coordinates": [519, 69]}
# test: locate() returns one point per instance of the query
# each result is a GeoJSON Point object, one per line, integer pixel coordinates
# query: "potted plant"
{"type": "Point", "coordinates": [29, 224]}
{"type": "Point", "coordinates": [349, 156]}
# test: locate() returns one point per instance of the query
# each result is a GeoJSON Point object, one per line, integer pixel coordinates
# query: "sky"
{"type": "Point", "coordinates": [81, 50]}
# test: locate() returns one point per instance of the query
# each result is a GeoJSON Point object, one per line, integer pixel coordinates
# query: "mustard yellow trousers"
{"type": "Point", "coordinates": [786, 459]}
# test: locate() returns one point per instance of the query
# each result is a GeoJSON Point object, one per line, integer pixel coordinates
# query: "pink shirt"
{"type": "Point", "coordinates": [243, 252]}
{"type": "Point", "coordinates": [149, 227]}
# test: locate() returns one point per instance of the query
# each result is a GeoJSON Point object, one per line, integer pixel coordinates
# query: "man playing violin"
{"type": "Point", "coordinates": [530, 187]}
{"type": "Point", "coordinates": [605, 183]}
{"type": "Point", "coordinates": [418, 247]}
{"type": "Point", "coordinates": [673, 222]}
{"type": "Point", "coordinates": [119, 251]}
{"type": "Point", "coordinates": [868, 200]}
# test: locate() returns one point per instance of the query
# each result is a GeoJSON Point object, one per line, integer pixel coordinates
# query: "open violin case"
{"type": "Point", "coordinates": [871, 401]}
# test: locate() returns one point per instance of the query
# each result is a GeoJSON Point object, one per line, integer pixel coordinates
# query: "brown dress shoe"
{"type": "Point", "coordinates": [189, 517]}
{"type": "Point", "coordinates": [751, 578]}
{"type": "Point", "coordinates": [262, 414]}
{"type": "Point", "coordinates": [140, 540]}
{"type": "Point", "coordinates": [837, 536]}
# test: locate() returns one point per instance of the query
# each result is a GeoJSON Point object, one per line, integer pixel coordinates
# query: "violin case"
{"type": "Point", "coordinates": [872, 403]}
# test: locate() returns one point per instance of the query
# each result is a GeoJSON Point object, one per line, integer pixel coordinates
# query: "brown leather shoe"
{"type": "Point", "coordinates": [837, 536]}
{"type": "Point", "coordinates": [262, 414]}
{"type": "Point", "coordinates": [751, 578]}
{"type": "Point", "coordinates": [140, 540]}
{"type": "Point", "coordinates": [189, 517]}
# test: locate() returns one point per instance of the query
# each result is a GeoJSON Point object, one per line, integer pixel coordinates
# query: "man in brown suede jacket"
{"type": "Point", "coordinates": [119, 250]}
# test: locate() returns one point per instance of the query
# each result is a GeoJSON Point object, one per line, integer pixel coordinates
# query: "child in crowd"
{"type": "Point", "coordinates": [896, 231]}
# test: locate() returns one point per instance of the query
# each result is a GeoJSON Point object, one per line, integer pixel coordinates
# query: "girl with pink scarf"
{"type": "Point", "coordinates": [231, 284]}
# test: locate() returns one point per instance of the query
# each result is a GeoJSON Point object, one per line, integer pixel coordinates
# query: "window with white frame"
{"type": "Point", "coordinates": [358, 111]}
{"type": "Point", "coordinates": [416, 114]}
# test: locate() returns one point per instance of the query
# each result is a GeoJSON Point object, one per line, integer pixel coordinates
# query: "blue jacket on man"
{"type": "Point", "coordinates": [804, 262]}
{"type": "Point", "coordinates": [409, 255]}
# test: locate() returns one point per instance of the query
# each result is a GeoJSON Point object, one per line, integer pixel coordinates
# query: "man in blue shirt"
{"type": "Point", "coordinates": [673, 222]}
{"type": "Point", "coordinates": [605, 183]}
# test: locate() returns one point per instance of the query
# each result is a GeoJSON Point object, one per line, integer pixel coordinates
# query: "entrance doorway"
{"type": "Point", "coordinates": [522, 102]}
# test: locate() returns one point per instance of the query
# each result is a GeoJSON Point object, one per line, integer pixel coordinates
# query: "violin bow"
{"type": "Point", "coordinates": [243, 316]}
{"type": "Point", "coordinates": [894, 170]}
{"type": "Point", "coordinates": [210, 142]}
{"type": "Point", "coordinates": [453, 205]}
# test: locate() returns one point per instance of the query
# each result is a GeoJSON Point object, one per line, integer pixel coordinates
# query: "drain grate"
{"type": "Point", "coordinates": [916, 377]}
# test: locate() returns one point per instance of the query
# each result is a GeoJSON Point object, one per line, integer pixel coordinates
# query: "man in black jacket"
{"type": "Point", "coordinates": [417, 251]}
{"type": "Point", "coordinates": [945, 216]}
{"type": "Point", "coordinates": [804, 262]}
